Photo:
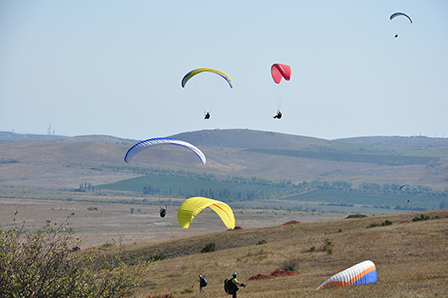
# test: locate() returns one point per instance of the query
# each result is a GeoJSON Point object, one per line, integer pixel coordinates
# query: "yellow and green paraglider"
{"type": "Point", "coordinates": [193, 206]}
{"type": "Point", "coordinates": [194, 72]}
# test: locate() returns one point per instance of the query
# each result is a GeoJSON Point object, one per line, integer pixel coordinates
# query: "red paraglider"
{"type": "Point", "coordinates": [280, 71]}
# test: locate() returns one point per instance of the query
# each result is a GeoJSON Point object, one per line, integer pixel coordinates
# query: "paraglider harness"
{"type": "Point", "coordinates": [230, 287]}
{"type": "Point", "coordinates": [278, 116]}
{"type": "Point", "coordinates": [207, 115]}
{"type": "Point", "coordinates": [203, 282]}
{"type": "Point", "coordinates": [162, 211]}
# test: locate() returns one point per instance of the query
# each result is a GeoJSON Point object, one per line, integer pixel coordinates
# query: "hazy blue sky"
{"type": "Point", "coordinates": [114, 67]}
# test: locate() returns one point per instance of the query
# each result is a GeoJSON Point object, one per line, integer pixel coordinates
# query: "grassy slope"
{"type": "Point", "coordinates": [411, 258]}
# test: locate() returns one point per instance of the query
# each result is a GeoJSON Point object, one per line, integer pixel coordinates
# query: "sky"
{"type": "Point", "coordinates": [115, 67]}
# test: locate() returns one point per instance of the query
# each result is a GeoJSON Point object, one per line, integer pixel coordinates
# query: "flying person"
{"type": "Point", "coordinates": [278, 116]}
{"type": "Point", "coordinates": [207, 116]}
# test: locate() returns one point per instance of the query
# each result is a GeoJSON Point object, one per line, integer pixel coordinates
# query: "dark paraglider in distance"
{"type": "Point", "coordinates": [394, 15]}
{"type": "Point", "coordinates": [279, 115]}
{"type": "Point", "coordinates": [410, 185]}
{"type": "Point", "coordinates": [163, 211]}
{"type": "Point", "coordinates": [207, 116]}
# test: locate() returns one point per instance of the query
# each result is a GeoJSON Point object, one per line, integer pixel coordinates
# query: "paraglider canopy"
{"type": "Point", "coordinates": [193, 206]}
{"type": "Point", "coordinates": [360, 274]}
{"type": "Point", "coordinates": [279, 71]}
{"type": "Point", "coordinates": [194, 72]}
{"type": "Point", "coordinates": [162, 141]}
{"type": "Point", "coordinates": [404, 185]}
{"type": "Point", "coordinates": [394, 15]}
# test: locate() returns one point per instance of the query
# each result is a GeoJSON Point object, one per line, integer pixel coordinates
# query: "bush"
{"type": "Point", "coordinates": [328, 247]}
{"type": "Point", "coordinates": [422, 217]}
{"type": "Point", "coordinates": [209, 248]}
{"type": "Point", "coordinates": [43, 264]}
{"type": "Point", "coordinates": [156, 257]}
{"type": "Point", "coordinates": [356, 216]}
{"type": "Point", "coordinates": [290, 265]}
{"type": "Point", "coordinates": [385, 223]}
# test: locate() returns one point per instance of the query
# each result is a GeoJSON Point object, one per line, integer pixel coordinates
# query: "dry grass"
{"type": "Point", "coordinates": [411, 258]}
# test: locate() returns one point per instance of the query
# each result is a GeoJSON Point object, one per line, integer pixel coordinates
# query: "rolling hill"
{"type": "Point", "coordinates": [50, 161]}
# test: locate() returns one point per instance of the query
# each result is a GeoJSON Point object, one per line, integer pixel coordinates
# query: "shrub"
{"type": "Point", "coordinates": [385, 223]}
{"type": "Point", "coordinates": [209, 248]}
{"type": "Point", "coordinates": [328, 247]}
{"type": "Point", "coordinates": [157, 257]}
{"type": "Point", "coordinates": [356, 216]}
{"type": "Point", "coordinates": [42, 264]}
{"type": "Point", "coordinates": [422, 217]}
{"type": "Point", "coordinates": [290, 265]}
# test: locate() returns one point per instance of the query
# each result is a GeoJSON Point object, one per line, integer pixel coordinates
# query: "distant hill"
{"type": "Point", "coordinates": [401, 143]}
{"type": "Point", "coordinates": [245, 138]}
{"type": "Point", "coordinates": [10, 137]}
{"type": "Point", "coordinates": [59, 160]}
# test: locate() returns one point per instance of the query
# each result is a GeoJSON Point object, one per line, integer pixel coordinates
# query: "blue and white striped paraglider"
{"type": "Point", "coordinates": [162, 141]}
{"type": "Point", "coordinates": [404, 185]}
{"type": "Point", "coordinates": [360, 274]}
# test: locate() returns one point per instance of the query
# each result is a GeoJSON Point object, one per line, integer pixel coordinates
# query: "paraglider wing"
{"type": "Point", "coordinates": [404, 185]}
{"type": "Point", "coordinates": [394, 15]}
{"type": "Point", "coordinates": [194, 72]}
{"type": "Point", "coordinates": [162, 141]}
{"type": "Point", "coordinates": [193, 206]}
{"type": "Point", "coordinates": [280, 71]}
{"type": "Point", "coordinates": [360, 274]}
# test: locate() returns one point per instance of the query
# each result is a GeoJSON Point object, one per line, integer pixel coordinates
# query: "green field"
{"type": "Point", "coordinates": [232, 189]}
{"type": "Point", "coordinates": [324, 194]}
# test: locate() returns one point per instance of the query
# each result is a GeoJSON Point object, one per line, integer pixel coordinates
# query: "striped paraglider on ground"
{"type": "Point", "coordinates": [359, 274]}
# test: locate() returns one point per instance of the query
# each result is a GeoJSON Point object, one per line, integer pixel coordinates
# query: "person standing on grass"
{"type": "Point", "coordinates": [234, 283]}
{"type": "Point", "coordinates": [202, 283]}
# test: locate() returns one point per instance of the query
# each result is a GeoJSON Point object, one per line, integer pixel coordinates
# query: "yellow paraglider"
{"type": "Point", "coordinates": [191, 207]}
